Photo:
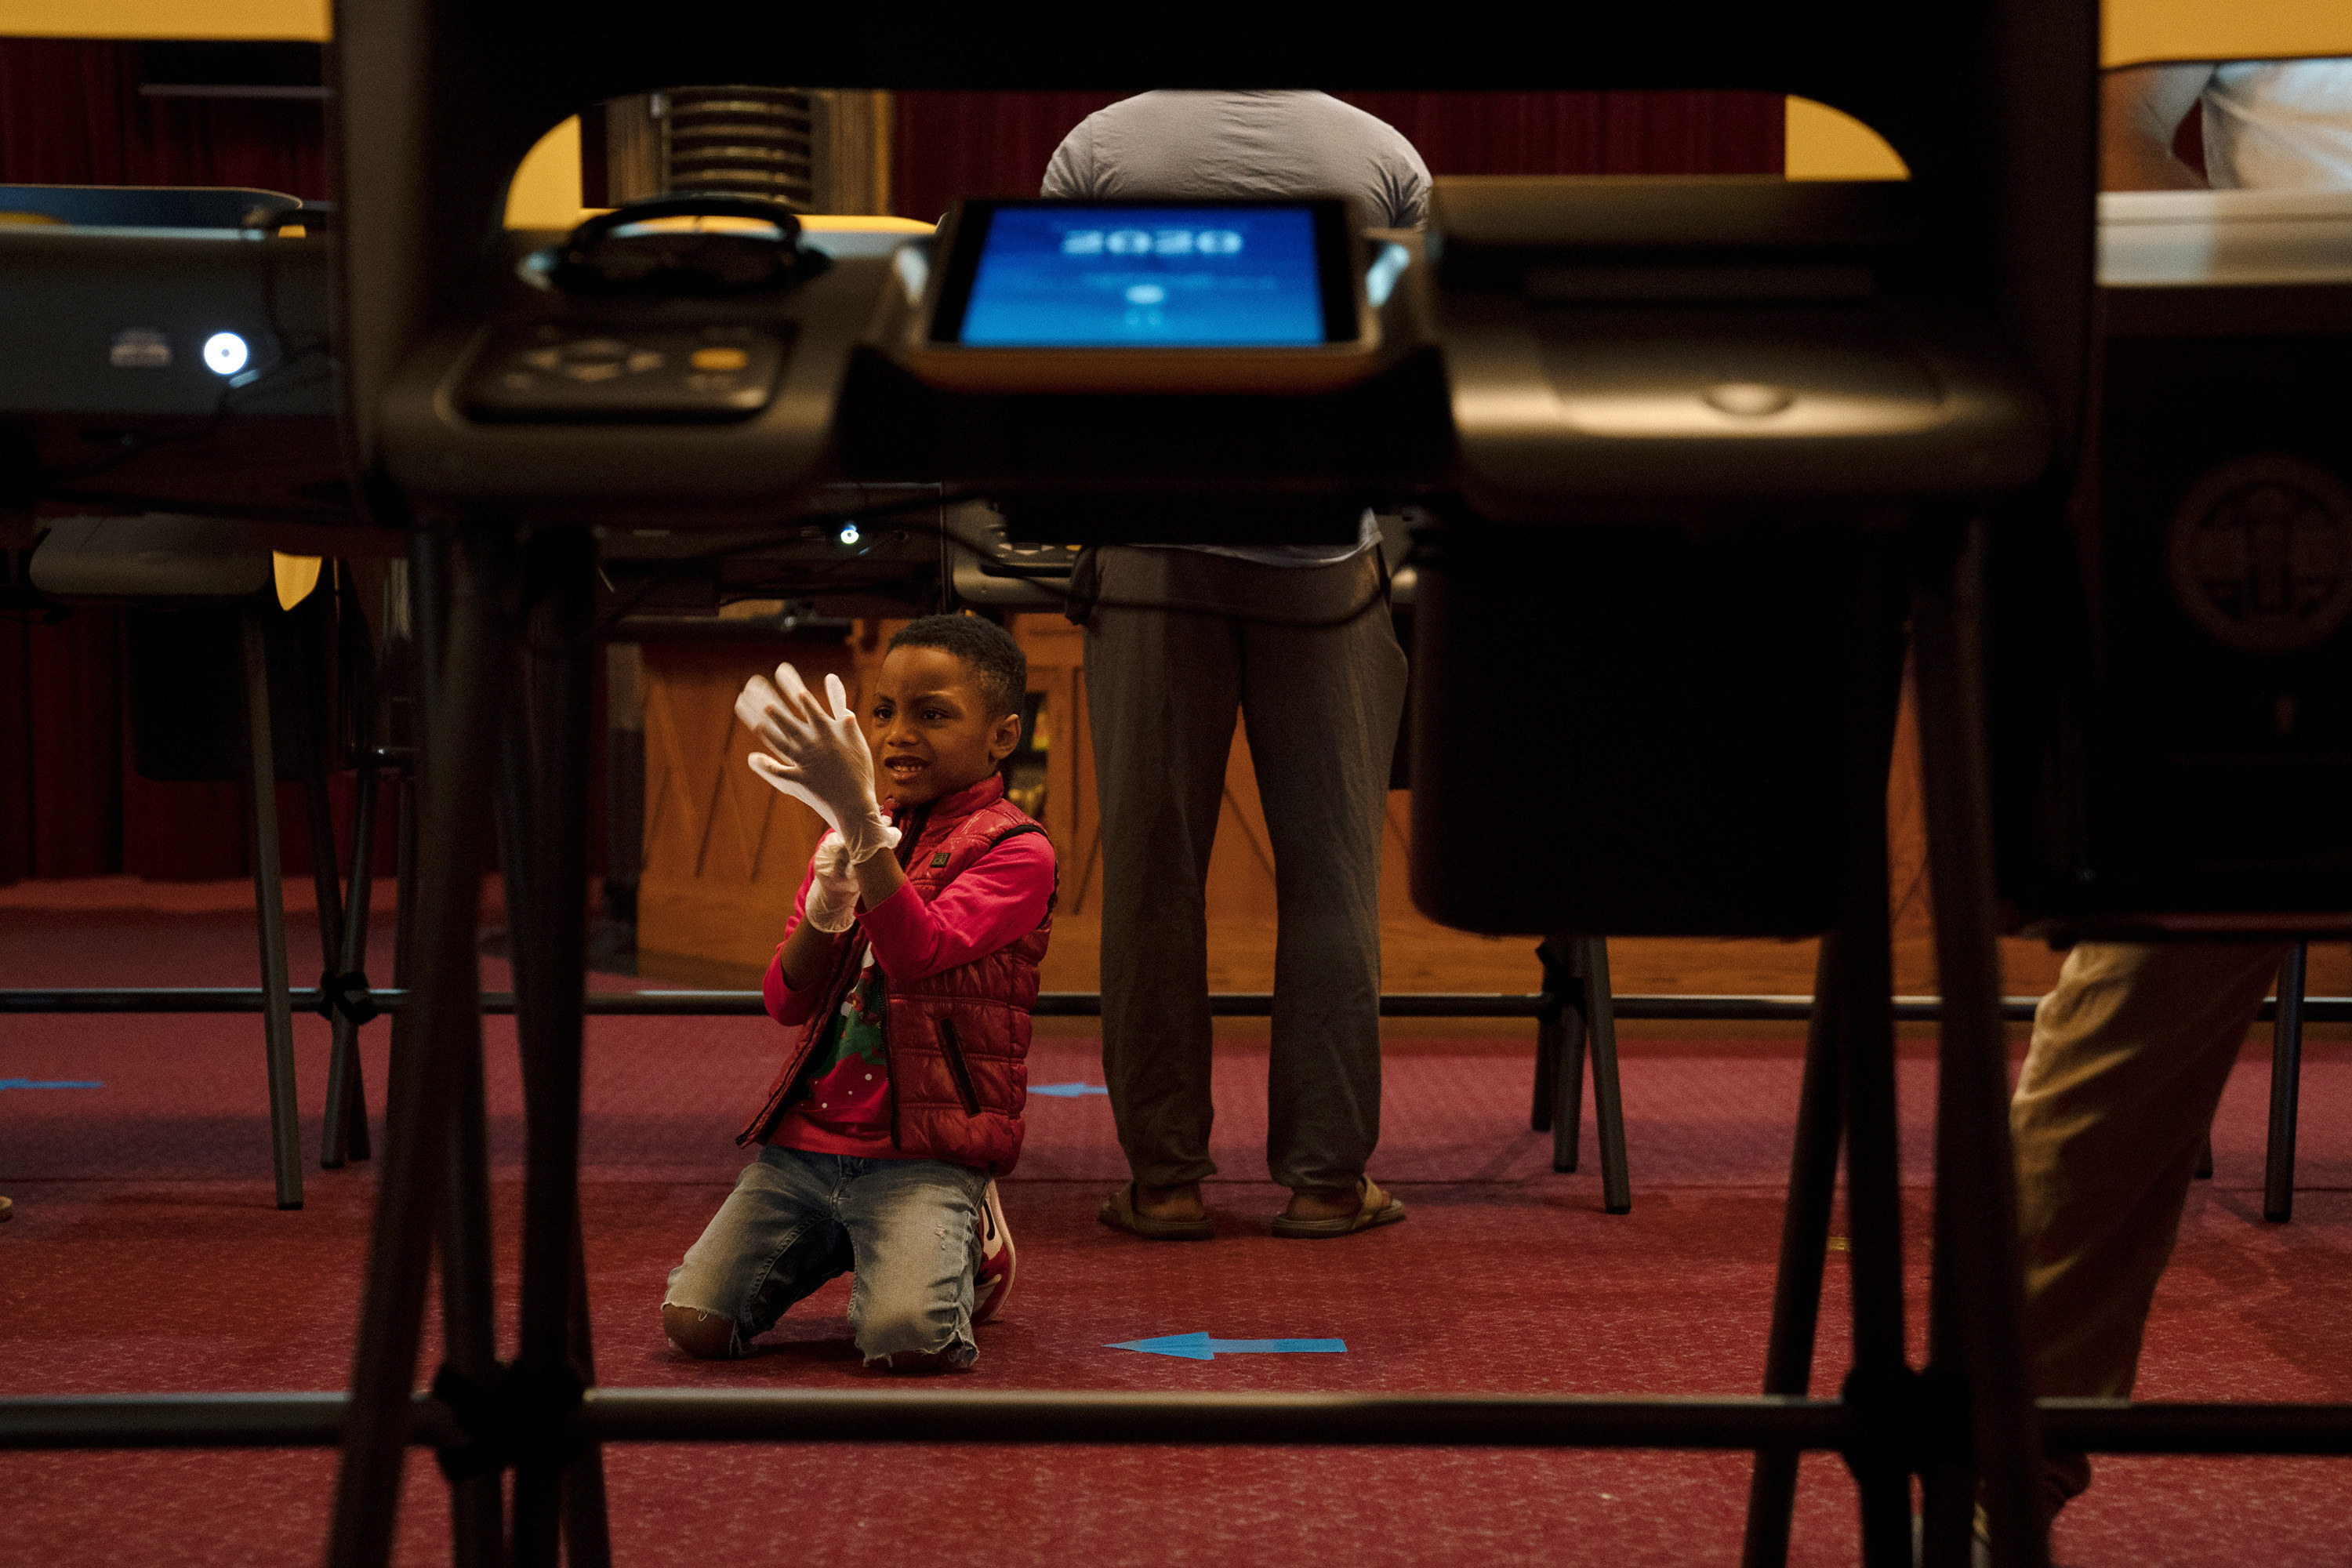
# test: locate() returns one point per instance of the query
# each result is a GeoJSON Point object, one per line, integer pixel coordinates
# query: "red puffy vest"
{"type": "Point", "coordinates": [956, 1044]}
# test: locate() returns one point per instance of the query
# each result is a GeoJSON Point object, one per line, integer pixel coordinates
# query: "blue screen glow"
{"type": "Point", "coordinates": [1138, 277]}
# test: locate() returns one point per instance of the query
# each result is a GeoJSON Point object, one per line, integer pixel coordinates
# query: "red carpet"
{"type": "Point", "coordinates": [145, 1255]}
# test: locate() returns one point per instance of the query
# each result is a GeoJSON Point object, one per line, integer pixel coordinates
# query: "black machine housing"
{"type": "Point", "coordinates": [2174, 742]}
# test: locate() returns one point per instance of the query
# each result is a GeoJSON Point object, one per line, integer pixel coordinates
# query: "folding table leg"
{"type": "Point", "coordinates": [1849, 1089]}
{"type": "Point", "coordinates": [1568, 1086]}
{"type": "Point", "coordinates": [2287, 1071]}
{"type": "Point", "coordinates": [550, 946]}
{"type": "Point", "coordinates": [346, 1135]}
{"type": "Point", "coordinates": [1976, 1314]}
{"type": "Point", "coordinates": [428, 1081]}
{"type": "Point", "coordinates": [1608, 1104]}
{"type": "Point", "coordinates": [1560, 1077]}
{"type": "Point", "coordinates": [326, 857]}
{"type": "Point", "coordinates": [270, 908]}
{"type": "Point", "coordinates": [1547, 1047]}
{"type": "Point", "coordinates": [403, 887]}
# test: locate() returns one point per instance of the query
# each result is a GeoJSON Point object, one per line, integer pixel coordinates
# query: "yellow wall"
{"type": "Point", "coordinates": [546, 189]}
{"type": "Point", "coordinates": [278, 20]}
{"type": "Point", "coordinates": [2136, 31]}
{"type": "Point", "coordinates": [1825, 143]}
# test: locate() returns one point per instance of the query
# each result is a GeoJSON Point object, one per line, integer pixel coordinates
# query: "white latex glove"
{"type": "Point", "coordinates": [816, 756]}
{"type": "Point", "coordinates": [832, 904]}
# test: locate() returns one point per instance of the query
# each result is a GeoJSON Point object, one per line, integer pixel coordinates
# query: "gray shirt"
{"type": "Point", "coordinates": [1208, 146]}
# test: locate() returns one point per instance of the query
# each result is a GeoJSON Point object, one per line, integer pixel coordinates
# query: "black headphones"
{"type": "Point", "coordinates": [598, 259]}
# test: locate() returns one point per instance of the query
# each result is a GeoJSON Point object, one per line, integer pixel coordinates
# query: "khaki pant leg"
{"type": "Point", "coordinates": [2131, 1050]}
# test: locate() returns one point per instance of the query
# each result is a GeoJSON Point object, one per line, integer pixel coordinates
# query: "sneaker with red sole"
{"type": "Point", "coordinates": [992, 1285]}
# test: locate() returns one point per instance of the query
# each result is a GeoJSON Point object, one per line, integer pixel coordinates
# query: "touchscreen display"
{"type": "Point", "coordinates": [1158, 277]}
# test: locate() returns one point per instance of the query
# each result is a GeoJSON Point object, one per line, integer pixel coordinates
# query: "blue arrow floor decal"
{"type": "Point", "coordinates": [50, 1083]}
{"type": "Point", "coordinates": [1201, 1347]}
{"type": "Point", "coordinates": [1067, 1090]}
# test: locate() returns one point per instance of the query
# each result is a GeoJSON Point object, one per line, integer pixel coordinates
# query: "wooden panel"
{"type": "Point", "coordinates": [724, 851]}
{"type": "Point", "coordinates": [724, 854]}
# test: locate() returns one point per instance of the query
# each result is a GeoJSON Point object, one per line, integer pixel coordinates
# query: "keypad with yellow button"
{"type": "Point", "coordinates": [564, 372]}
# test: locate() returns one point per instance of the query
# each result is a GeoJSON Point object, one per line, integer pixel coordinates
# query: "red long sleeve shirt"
{"type": "Point", "coordinates": [842, 1104]}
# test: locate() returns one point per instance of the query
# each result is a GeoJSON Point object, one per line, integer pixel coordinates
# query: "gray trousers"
{"type": "Point", "coordinates": [1321, 706]}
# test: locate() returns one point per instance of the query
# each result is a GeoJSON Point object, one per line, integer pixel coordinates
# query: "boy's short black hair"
{"type": "Point", "coordinates": [998, 666]}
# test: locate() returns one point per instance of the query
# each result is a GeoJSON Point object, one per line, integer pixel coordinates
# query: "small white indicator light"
{"type": "Point", "coordinates": [225, 353]}
{"type": "Point", "coordinates": [848, 533]}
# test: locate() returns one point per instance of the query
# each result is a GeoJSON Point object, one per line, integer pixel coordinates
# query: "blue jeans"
{"type": "Point", "coordinates": [907, 1229]}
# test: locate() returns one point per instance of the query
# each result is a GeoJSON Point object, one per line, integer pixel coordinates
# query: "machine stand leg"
{"type": "Point", "coordinates": [434, 1069]}
{"type": "Point", "coordinates": [550, 976]}
{"type": "Point", "coordinates": [1804, 1254]}
{"type": "Point", "coordinates": [2286, 1073]}
{"type": "Point", "coordinates": [1975, 1340]}
{"type": "Point", "coordinates": [587, 1534]}
{"type": "Point", "coordinates": [470, 1307]}
{"type": "Point", "coordinates": [269, 908]}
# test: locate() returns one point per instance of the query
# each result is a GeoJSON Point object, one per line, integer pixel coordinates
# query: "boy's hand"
{"type": "Point", "coordinates": [832, 905]}
{"type": "Point", "coordinates": [815, 756]}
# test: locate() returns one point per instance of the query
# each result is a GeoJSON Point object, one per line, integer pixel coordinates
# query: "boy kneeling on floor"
{"type": "Point", "coordinates": [908, 968]}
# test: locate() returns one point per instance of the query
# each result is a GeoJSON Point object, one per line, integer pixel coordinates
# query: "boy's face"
{"type": "Point", "coordinates": [932, 732]}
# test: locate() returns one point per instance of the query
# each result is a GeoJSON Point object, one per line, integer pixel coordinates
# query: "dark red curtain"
{"type": "Point", "coordinates": [71, 114]}
{"type": "Point", "coordinates": [952, 145]}
{"type": "Point", "coordinates": [71, 804]}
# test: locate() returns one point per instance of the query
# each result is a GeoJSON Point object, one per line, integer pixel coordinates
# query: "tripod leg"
{"type": "Point", "coordinates": [587, 1538]}
{"type": "Point", "coordinates": [1608, 1105]}
{"type": "Point", "coordinates": [2287, 1071]}
{"type": "Point", "coordinates": [346, 1135]}
{"type": "Point", "coordinates": [1880, 1384]}
{"type": "Point", "coordinates": [551, 948]}
{"type": "Point", "coordinates": [1976, 1331]}
{"type": "Point", "coordinates": [444, 1023]}
{"type": "Point", "coordinates": [1804, 1252]}
{"type": "Point", "coordinates": [1874, 1213]}
{"type": "Point", "coordinates": [270, 908]}
{"type": "Point", "coordinates": [470, 1306]}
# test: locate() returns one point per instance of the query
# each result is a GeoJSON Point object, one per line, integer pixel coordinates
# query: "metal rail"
{"type": "Point", "coordinates": [675, 1416]}
{"type": "Point", "coordinates": [1655, 1006]}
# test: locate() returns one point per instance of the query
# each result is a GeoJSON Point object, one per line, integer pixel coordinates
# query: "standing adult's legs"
{"type": "Point", "coordinates": [1162, 688]}
{"type": "Point", "coordinates": [2131, 1050]}
{"type": "Point", "coordinates": [1321, 706]}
